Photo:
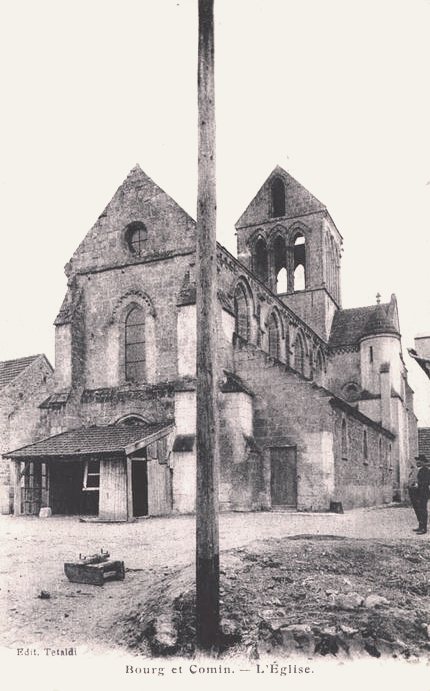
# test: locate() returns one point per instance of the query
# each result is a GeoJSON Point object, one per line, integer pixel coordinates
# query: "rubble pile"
{"type": "Point", "coordinates": [307, 595]}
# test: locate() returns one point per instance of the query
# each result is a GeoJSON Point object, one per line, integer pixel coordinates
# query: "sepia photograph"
{"type": "Point", "coordinates": [214, 343]}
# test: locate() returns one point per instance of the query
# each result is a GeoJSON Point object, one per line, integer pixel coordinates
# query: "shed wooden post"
{"type": "Point", "coordinates": [129, 489]}
{"type": "Point", "coordinates": [207, 549]}
{"type": "Point", "coordinates": [16, 468]}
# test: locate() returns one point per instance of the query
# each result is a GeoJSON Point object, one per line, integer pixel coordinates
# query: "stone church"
{"type": "Point", "coordinates": [315, 406]}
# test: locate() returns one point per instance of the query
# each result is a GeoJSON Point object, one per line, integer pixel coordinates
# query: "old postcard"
{"type": "Point", "coordinates": [215, 343]}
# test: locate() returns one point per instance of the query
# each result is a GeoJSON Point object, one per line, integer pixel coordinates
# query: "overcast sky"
{"type": "Point", "coordinates": [336, 92]}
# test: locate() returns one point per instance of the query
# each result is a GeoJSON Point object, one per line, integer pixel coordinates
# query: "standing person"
{"type": "Point", "coordinates": [413, 490]}
{"type": "Point", "coordinates": [423, 493]}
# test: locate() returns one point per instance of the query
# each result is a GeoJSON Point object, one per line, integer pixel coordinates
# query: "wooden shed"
{"type": "Point", "coordinates": [116, 472]}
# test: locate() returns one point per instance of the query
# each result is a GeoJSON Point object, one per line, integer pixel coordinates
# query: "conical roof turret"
{"type": "Point", "coordinates": [379, 322]}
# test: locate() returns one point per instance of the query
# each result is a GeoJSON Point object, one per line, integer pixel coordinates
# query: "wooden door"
{"type": "Point", "coordinates": [283, 481]}
{"type": "Point", "coordinates": [139, 484]}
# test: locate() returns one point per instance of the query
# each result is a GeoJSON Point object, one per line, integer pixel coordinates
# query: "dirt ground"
{"type": "Point", "coordinates": [283, 579]}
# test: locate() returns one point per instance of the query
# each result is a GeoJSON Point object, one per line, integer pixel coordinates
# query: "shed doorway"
{"type": "Point", "coordinates": [67, 490]}
{"type": "Point", "coordinates": [283, 476]}
{"type": "Point", "coordinates": [31, 493]}
{"type": "Point", "coordinates": [139, 485]}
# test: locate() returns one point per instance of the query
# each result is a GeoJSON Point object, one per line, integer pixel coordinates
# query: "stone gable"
{"type": "Point", "coordinates": [169, 229]}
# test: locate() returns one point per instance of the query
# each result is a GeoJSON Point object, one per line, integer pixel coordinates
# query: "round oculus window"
{"type": "Point", "coordinates": [135, 237]}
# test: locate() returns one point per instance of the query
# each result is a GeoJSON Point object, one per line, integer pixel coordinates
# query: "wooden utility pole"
{"type": "Point", "coordinates": [207, 543]}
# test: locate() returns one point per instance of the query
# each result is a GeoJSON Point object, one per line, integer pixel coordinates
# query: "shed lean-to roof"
{"type": "Point", "coordinates": [109, 439]}
{"type": "Point", "coordinates": [424, 441]}
{"type": "Point", "coordinates": [10, 369]}
{"type": "Point", "coordinates": [350, 325]}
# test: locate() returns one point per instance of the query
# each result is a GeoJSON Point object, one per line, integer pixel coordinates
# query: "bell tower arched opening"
{"type": "Point", "coordinates": [279, 264]}
{"type": "Point", "coordinates": [260, 259]}
{"type": "Point", "coordinates": [299, 262]}
{"type": "Point", "coordinates": [278, 198]}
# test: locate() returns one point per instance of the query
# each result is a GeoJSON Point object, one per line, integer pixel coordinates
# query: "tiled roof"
{"type": "Point", "coordinates": [350, 325]}
{"type": "Point", "coordinates": [89, 440]}
{"type": "Point", "coordinates": [424, 441]}
{"type": "Point", "coordinates": [10, 369]}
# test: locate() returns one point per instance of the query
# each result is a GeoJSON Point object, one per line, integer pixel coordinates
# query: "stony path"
{"type": "Point", "coordinates": [32, 553]}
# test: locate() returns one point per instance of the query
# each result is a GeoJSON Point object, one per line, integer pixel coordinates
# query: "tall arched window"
{"type": "Point", "coordinates": [299, 263]}
{"type": "Point", "coordinates": [299, 355]}
{"type": "Point", "coordinates": [380, 454]}
{"type": "Point", "coordinates": [319, 366]}
{"type": "Point", "coordinates": [274, 336]}
{"type": "Point", "coordinates": [135, 345]}
{"type": "Point", "coordinates": [241, 310]}
{"type": "Point", "coordinates": [344, 440]}
{"type": "Point", "coordinates": [287, 344]}
{"type": "Point", "coordinates": [260, 259]}
{"type": "Point", "coordinates": [278, 198]}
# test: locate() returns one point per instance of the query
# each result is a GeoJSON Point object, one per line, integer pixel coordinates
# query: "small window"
{"type": "Point", "coordinates": [371, 354]}
{"type": "Point", "coordinates": [365, 449]}
{"type": "Point", "coordinates": [351, 391]}
{"type": "Point", "coordinates": [136, 236]}
{"type": "Point", "coordinates": [91, 475]}
{"type": "Point", "coordinates": [344, 440]}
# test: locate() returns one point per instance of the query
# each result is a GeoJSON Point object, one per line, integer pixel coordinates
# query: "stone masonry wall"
{"type": "Point", "coordinates": [362, 481]}
{"type": "Point", "coordinates": [107, 294]}
{"type": "Point", "coordinates": [290, 411]}
{"type": "Point", "coordinates": [168, 228]}
{"type": "Point", "coordinates": [19, 418]}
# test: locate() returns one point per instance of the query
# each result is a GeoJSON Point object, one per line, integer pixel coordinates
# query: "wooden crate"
{"type": "Point", "coordinates": [94, 570]}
